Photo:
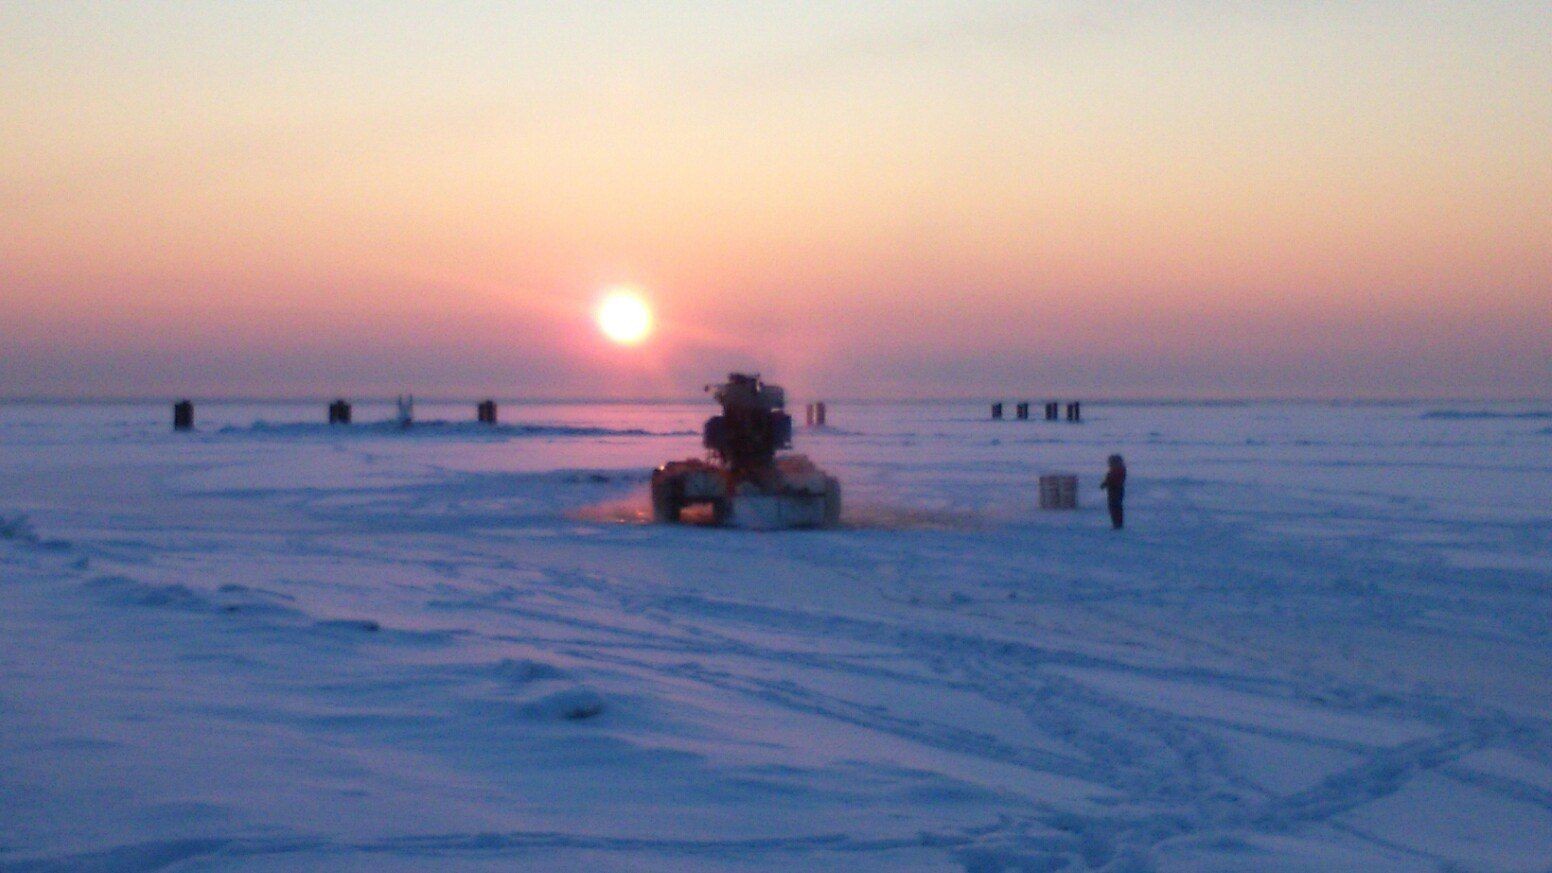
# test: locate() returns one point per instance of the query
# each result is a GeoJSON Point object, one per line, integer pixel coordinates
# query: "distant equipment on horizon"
{"type": "Point", "coordinates": [1052, 411]}
{"type": "Point", "coordinates": [815, 414]}
{"type": "Point", "coordinates": [340, 413]}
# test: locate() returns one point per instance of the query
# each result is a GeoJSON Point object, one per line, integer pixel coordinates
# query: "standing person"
{"type": "Point", "coordinates": [1115, 486]}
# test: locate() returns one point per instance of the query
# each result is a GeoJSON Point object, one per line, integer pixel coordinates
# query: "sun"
{"type": "Point", "coordinates": [624, 317]}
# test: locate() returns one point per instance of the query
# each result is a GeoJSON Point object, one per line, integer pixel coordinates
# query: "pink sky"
{"type": "Point", "coordinates": [1172, 200]}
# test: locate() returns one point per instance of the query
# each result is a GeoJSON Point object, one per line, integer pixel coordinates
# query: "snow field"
{"type": "Point", "coordinates": [1320, 645]}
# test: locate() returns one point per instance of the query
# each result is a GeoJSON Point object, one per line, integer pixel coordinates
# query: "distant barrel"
{"type": "Point", "coordinates": [1022, 410]}
{"type": "Point", "coordinates": [183, 415]}
{"type": "Point", "coordinates": [486, 412]}
{"type": "Point", "coordinates": [1053, 411]}
{"type": "Point", "coordinates": [996, 410]}
{"type": "Point", "coordinates": [1074, 411]}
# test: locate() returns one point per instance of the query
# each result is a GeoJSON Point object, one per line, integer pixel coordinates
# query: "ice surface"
{"type": "Point", "coordinates": [1321, 644]}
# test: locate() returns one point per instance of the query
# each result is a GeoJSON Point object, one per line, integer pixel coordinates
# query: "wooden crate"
{"type": "Point", "coordinates": [1058, 491]}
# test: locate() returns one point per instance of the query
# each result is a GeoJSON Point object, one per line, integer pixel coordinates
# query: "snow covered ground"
{"type": "Point", "coordinates": [1321, 644]}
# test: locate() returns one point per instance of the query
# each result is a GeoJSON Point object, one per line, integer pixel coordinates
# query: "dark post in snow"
{"type": "Point", "coordinates": [1051, 411]}
{"type": "Point", "coordinates": [996, 410]}
{"type": "Point", "coordinates": [183, 415]}
{"type": "Point", "coordinates": [819, 414]}
{"type": "Point", "coordinates": [486, 412]}
{"type": "Point", "coordinates": [808, 415]}
{"type": "Point", "coordinates": [1074, 411]}
{"type": "Point", "coordinates": [1023, 411]}
{"type": "Point", "coordinates": [339, 412]}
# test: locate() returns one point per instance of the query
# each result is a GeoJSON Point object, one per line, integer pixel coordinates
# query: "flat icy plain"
{"type": "Point", "coordinates": [1324, 642]}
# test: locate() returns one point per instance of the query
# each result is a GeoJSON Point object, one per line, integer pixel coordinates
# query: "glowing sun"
{"type": "Point", "coordinates": [624, 317]}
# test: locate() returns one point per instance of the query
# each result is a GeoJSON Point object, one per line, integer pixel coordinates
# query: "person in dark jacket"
{"type": "Point", "coordinates": [1115, 486]}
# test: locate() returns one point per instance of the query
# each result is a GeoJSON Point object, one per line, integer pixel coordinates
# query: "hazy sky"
{"type": "Point", "coordinates": [886, 199]}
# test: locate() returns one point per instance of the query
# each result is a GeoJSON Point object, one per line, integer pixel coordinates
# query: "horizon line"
{"type": "Point", "coordinates": [983, 399]}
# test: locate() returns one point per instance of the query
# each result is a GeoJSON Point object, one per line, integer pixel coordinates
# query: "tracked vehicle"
{"type": "Point", "coordinates": [741, 482]}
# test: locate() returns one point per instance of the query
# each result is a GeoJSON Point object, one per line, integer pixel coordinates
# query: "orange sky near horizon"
{"type": "Point", "coordinates": [1171, 199]}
